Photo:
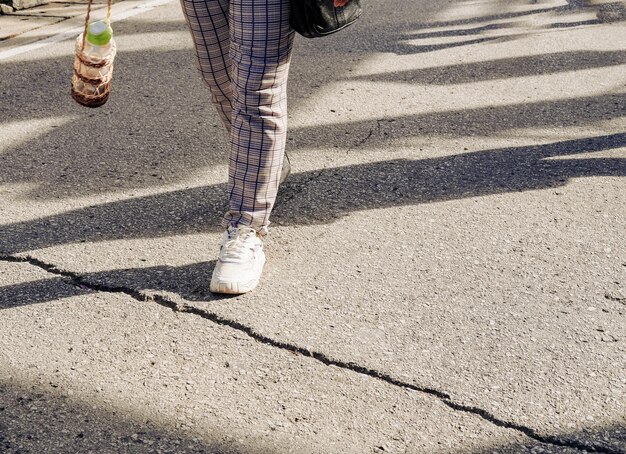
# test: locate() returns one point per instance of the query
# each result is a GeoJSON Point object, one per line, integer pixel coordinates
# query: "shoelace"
{"type": "Point", "coordinates": [238, 248]}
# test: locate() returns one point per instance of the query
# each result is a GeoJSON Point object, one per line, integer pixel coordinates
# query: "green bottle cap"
{"type": "Point", "coordinates": [99, 33]}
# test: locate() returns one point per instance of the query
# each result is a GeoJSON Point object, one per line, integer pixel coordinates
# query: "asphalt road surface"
{"type": "Point", "coordinates": [447, 266]}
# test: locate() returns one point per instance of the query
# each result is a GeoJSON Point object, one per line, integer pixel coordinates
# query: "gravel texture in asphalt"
{"type": "Point", "coordinates": [446, 270]}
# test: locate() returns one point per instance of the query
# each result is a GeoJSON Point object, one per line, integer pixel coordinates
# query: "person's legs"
{"type": "Point", "coordinates": [243, 49]}
{"type": "Point", "coordinates": [260, 49]}
{"type": "Point", "coordinates": [261, 41]}
{"type": "Point", "coordinates": [210, 31]}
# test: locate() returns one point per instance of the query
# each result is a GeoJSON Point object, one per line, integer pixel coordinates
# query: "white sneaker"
{"type": "Point", "coordinates": [240, 263]}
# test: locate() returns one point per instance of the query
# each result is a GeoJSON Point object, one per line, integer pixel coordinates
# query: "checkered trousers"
{"type": "Point", "coordinates": [244, 49]}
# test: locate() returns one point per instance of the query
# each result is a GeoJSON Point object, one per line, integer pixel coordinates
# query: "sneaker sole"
{"type": "Point", "coordinates": [232, 288]}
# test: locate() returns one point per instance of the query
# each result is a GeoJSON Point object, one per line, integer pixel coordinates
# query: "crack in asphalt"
{"type": "Point", "coordinates": [369, 134]}
{"type": "Point", "coordinates": [443, 397]}
{"type": "Point", "coordinates": [377, 130]}
{"type": "Point", "coordinates": [365, 139]}
{"type": "Point", "coordinates": [617, 299]}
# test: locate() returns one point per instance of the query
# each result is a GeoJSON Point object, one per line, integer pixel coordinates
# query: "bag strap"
{"type": "Point", "coordinates": [87, 19]}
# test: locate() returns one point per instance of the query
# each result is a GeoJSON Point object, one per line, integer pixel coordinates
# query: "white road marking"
{"type": "Point", "coordinates": [119, 11]}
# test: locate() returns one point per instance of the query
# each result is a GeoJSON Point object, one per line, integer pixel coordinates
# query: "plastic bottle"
{"type": "Point", "coordinates": [93, 65]}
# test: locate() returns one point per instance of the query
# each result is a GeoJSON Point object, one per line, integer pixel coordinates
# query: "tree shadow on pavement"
{"type": "Point", "coordinates": [509, 18]}
{"type": "Point", "coordinates": [503, 5]}
{"type": "Point", "coordinates": [158, 144]}
{"type": "Point", "coordinates": [483, 121]}
{"type": "Point", "coordinates": [504, 68]}
{"type": "Point", "coordinates": [41, 418]}
{"type": "Point", "coordinates": [323, 196]}
{"type": "Point", "coordinates": [161, 136]}
{"type": "Point", "coordinates": [37, 420]}
{"type": "Point", "coordinates": [66, 161]}
{"type": "Point", "coordinates": [609, 438]}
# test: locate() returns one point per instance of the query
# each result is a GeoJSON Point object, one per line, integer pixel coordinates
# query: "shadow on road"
{"type": "Point", "coordinates": [531, 65]}
{"type": "Point", "coordinates": [37, 420]}
{"type": "Point", "coordinates": [190, 282]}
{"type": "Point", "coordinates": [45, 419]}
{"type": "Point", "coordinates": [312, 198]}
{"type": "Point", "coordinates": [165, 128]}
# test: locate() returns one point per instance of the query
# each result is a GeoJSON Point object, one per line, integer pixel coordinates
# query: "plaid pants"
{"type": "Point", "coordinates": [243, 50]}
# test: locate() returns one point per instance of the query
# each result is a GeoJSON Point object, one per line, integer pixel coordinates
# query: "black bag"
{"type": "Point", "coordinates": [317, 18]}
